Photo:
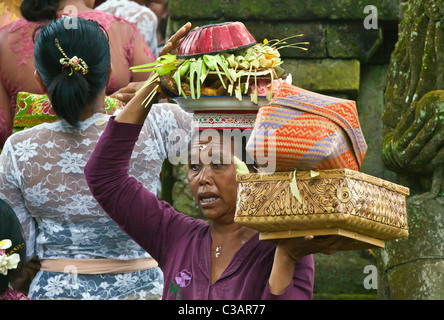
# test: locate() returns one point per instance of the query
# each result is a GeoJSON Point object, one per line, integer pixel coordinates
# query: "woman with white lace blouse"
{"type": "Point", "coordinates": [84, 255]}
{"type": "Point", "coordinates": [139, 14]}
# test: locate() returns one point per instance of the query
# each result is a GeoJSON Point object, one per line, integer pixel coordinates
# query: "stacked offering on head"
{"type": "Point", "coordinates": [314, 187]}
{"type": "Point", "coordinates": [221, 60]}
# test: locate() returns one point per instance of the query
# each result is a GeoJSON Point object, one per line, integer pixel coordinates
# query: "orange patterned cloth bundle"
{"type": "Point", "coordinates": [308, 131]}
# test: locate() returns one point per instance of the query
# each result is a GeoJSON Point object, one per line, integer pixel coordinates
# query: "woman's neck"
{"type": "Point", "coordinates": [81, 5]}
{"type": "Point", "coordinates": [97, 106]}
{"type": "Point", "coordinates": [227, 233]}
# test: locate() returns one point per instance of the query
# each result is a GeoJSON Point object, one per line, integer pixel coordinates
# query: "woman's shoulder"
{"type": "Point", "coordinates": [22, 135]}
{"type": "Point", "coordinates": [106, 19]}
{"type": "Point", "coordinates": [19, 24]}
{"type": "Point", "coordinates": [38, 135]}
{"type": "Point", "coordinates": [129, 10]}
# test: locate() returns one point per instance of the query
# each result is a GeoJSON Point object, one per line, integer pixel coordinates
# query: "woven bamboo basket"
{"type": "Point", "coordinates": [339, 201]}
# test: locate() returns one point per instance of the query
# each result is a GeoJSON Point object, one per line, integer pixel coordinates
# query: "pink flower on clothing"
{"type": "Point", "coordinates": [183, 278]}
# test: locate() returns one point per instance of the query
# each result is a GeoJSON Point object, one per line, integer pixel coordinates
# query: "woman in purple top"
{"type": "Point", "coordinates": [216, 260]}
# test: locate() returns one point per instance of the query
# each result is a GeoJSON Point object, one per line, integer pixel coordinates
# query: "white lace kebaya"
{"type": "Point", "coordinates": [41, 177]}
{"type": "Point", "coordinates": [142, 16]}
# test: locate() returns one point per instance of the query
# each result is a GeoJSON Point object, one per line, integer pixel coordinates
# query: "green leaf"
{"type": "Point", "coordinates": [183, 69]}
{"type": "Point", "coordinates": [165, 69]}
{"type": "Point", "coordinates": [150, 96]}
{"type": "Point", "coordinates": [195, 73]}
{"type": "Point", "coordinates": [247, 84]}
{"type": "Point", "coordinates": [204, 72]}
{"type": "Point", "coordinates": [231, 62]}
{"type": "Point", "coordinates": [232, 74]}
{"type": "Point", "coordinates": [193, 67]}
{"type": "Point", "coordinates": [238, 91]}
{"type": "Point", "coordinates": [245, 65]}
{"type": "Point", "coordinates": [230, 89]}
{"type": "Point", "coordinates": [250, 55]}
{"type": "Point", "coordinates": [176, 77]}
{"type": "Point", "coordinates": [221, 78]}
{"type": "Point", "coordinates": [254, 97]}
{"type": "Point", "coordinates": [221, 64]}
{"type": "Point", "coordinates": [168, 58]}
{"type": "Point", "coordinates": [150, 80]}
{"type": "Point", "coordinates": [198, 76]}
{"type": "Point", "coordinates": [209, 61]}
{"type": "Point", "coordinates": [241, 166]}
{"type": "Point", "coordinates": [152, 64]}
{"type": "Point", "coordinates": [255, 64]}
{"type": "Point", "coordinates": [163, 65]}
{"type": "Point", "coordinates": [145, 70]}
{"type": "Point", "coordinates": [239, 74]}
{"type": "Point", "coordinates": [294, 188]}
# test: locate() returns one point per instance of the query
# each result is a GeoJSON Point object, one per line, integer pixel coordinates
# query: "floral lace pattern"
{"type": "Point", "coordinates": [41, 177]}
{"type": "Point", "coordinates": [141, 285]}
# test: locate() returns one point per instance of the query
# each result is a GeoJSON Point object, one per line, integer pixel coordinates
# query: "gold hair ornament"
{"type": "Point", "coordinates": [74, 63]}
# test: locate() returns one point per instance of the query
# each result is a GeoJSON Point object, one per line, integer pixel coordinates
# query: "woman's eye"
{"type": "Point", "coordinates": [193, 167]}
{"type": "Point", "coordinates": [217, 165]}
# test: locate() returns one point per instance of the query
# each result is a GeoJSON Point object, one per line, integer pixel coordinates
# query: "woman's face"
{"type": "Point", "coordinates": [212, 177]}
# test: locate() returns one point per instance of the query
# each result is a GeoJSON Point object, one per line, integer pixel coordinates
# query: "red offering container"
{"type": "Point", "coordinates": [215, 38]}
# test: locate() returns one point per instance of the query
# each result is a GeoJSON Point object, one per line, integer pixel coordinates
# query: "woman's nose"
{"type": "Point", "coordinates": [206, 175]}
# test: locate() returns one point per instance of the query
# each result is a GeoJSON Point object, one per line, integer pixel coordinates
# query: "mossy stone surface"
{"type": "Point", "coordinates": [325, 75]}
{"type": "Point", "coordinates": [387, 10]}
{"type": "Point", "coordinates": [342, 274]}
{"type": "Point", "coordinates": [352, 40]}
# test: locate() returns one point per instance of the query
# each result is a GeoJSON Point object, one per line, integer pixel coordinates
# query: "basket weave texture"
{"type": "Point", "coordinates": [341, 198]}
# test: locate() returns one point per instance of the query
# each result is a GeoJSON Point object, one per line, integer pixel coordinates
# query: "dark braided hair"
{"type": "Point", "coordinates": [38, 10]}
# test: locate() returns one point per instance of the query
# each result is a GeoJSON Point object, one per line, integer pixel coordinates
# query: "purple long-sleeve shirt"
{"type": "Point", "coordinates": [179, 243]}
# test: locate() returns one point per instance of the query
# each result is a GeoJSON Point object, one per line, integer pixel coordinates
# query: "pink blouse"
{"type": "Point", "coordinates": [127, 45]}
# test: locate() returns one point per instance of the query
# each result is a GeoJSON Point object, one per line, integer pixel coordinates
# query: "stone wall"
{"type": "Point", "coordinates": [344, 59]}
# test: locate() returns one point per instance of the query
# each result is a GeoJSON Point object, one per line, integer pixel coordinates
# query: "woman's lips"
{"type": "Point", "coordinates": [207, 199]}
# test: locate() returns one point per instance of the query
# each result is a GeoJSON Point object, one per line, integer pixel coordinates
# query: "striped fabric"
{"type": "Point", "coordinates": [308, 131]}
